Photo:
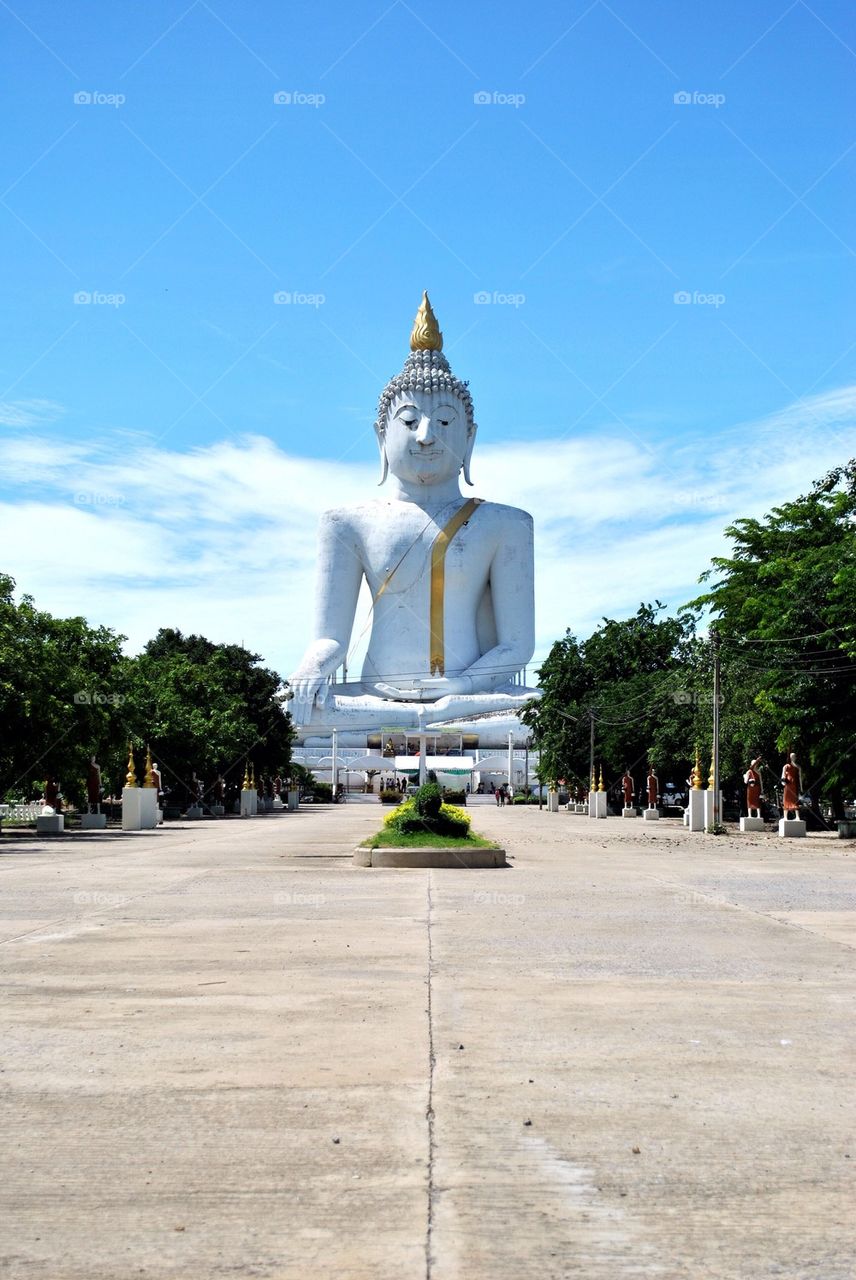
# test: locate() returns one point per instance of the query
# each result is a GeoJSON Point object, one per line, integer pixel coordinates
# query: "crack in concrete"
{"type": "Point", "coordinates": [429, 1112]}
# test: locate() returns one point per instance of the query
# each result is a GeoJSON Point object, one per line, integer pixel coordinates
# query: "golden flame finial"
{"type": "Point", "coordinates": [600, 785]}
{"type": "Point", "coordinates": [149, 779]}
{"type": "Point", "coordinates": [710, 778]}
{"type": "Point", "coordinates": [131, 778]}
{"type": "Point", "coordinates": [426, 335]}
{"type": "Point", "coordinates": [246, 783]}
{"type": "Point", "coordinates": [695, 776]}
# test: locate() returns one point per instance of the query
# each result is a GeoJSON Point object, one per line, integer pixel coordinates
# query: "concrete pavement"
{"type": "Point", "coordinates": [229, 1052]}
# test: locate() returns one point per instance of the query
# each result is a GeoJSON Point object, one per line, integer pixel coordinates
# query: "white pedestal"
{"type": "Point", "coordinates": [751, 824]}
{"type": "Point", "coordinates": [552, 802]}
{"type": "Point", "coordinates": [50, 824]}
{"type": "Point", "coordinates": [267, 804]}
{"type": "Point", "coordinates": [791, 827]}
{"type": "Point", "coordinates": [217, 810]}
{"type": "Point", "coordinates": [651, 815]}
{"type": "Point", "coordinates": [194, 811]}
{"type": "Point", "coordinates": [277, 804]}
{"type": "Point", "coordinates": [292, 801]}
{"type": "Point", "coordinates": [249, 804]}
{"type": "Point", "coordinates": [708, 807]}
{"type": "Point", "coordinates": [139, 808]}
{"type": "Point", "coordinates": [629, 813]}
{"type": "Point", "coordinates": [695, 811]}
{"type": "Point", "coordinates": [93, 821]}
{"type": "Point", "coordinates": [581, 807]}
{"type": "Point", "coordinates": [686, 817]}
{"type": "Point", "coordinates": [597, 804]}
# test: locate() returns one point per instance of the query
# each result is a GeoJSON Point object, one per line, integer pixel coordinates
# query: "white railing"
{"type": "Point", "coordinates": [24, 812]}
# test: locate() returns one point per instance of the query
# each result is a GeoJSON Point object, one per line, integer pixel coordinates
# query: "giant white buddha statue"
{"type": "Point", "coordinates": [451, 577]}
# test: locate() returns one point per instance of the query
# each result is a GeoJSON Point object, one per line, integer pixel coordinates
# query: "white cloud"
{"type": "Point", "coordinates": [221, 539]}
{"type": "Point", "coordinates": [29, 413]}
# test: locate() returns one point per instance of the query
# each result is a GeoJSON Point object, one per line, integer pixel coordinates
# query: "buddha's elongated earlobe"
{"type": "Point", "coordinates": [469, 453]}
{"type": "Point", "coordinates": [384, 462]}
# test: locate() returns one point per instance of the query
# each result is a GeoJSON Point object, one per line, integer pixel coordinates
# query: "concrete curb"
{"type": "Point", "coordinates": [431, 856]}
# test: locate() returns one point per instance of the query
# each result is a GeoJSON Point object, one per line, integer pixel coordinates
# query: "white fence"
{"type": "Point", "coordinates": [20, 812]}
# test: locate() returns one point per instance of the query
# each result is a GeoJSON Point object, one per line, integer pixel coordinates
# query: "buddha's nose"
{"type": "Point", "coordinates": [425, 432]}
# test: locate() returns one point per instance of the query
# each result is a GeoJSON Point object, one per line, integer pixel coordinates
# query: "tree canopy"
{"type": "Point", "coordinates": [67, 692]}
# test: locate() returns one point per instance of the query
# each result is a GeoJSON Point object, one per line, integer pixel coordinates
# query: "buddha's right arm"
{"type": "Point", "coordinates": [337, 589]}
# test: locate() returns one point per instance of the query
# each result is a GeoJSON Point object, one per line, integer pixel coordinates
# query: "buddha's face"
{"type": "Point", "coordinates": [426, 437]}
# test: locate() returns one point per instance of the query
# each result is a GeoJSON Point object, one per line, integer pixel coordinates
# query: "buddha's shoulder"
{"type": "Point", "coordinates": [503, 514]}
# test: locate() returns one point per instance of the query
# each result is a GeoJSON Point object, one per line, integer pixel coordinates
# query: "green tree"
{"type": "Point", "coordinates": [207, 708]}
{"type": "Point", "coordinates": [637, 680]}
{"type": "Point", "coordinates": [784, 604]}
{"type": "Point", "coordinates": [61, 697]}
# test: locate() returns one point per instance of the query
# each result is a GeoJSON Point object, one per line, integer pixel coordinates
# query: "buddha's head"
{"type": "Point", "coordinates": [425, 426]}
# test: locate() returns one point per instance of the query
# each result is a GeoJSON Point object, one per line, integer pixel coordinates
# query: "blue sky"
{"type": "Point", "coordinates": [166, 447]}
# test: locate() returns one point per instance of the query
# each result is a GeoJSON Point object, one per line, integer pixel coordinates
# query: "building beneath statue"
{"type": "Point", "coordinates": [452, 591]}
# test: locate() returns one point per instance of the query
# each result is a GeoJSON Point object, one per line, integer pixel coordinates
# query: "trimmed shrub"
{"type": "Point", "coordinates": [427, 801]}
{"type": "Point", "coordinates": [436, 817]}
{"type": "Point", "coordinates": [390, 797]}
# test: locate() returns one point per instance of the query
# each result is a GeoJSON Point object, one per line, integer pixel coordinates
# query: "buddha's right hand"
{"type": "Point", "coordinates": [307, 691]}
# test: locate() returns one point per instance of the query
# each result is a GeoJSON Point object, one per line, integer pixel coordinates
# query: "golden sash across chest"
{"type": "Point", "coordinates": [439, 548]}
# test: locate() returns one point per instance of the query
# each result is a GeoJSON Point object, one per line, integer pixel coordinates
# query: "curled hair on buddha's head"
{"type": "Point", "coordinates": [426, 369]}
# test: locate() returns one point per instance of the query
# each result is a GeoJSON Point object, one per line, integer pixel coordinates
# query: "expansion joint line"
{"type": "Point", "coordinates": [429, 1111]}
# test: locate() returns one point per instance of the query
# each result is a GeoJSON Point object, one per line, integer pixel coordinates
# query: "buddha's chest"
{"type": "Point", "coordinates": [403, 558]}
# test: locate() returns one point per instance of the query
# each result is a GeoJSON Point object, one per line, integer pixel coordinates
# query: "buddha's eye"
{"type": "Point", "coordinates": [409, 422]}
{"type": "Point", "coordinates": [444, 422]}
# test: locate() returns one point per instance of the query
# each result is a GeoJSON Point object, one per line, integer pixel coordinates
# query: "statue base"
{"type": "Point", "coordinates": [50, 824]}
{"type": "Point", "coordinates": [790, 827]}
{"type": "Point", "coordinates": [249, 804]}
{"type": "Point", "coordinates": [597, 804]}
{"type": "Point", "coordinates": [708, 807]}
{"type": "Point", "coordinates": [694, 816]}
{"type": "Point", "coordinates": [629, 813]}
{"type": "Point", "coordinates": [751, 824]}
{"type": "Point", "coordinates": [651, 815]}
{"type": "Point", "coordinates": [139, 808]}
{"type": "Point", "coordinates": [194, 812]}
{"type": "Point", "coordinates": [93, 821]}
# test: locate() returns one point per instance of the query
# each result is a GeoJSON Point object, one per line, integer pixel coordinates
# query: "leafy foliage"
{"type": "Point", "coordinates": [426, 812]}
{"type": "Point", "coordinates": [635, 680]}
{"type": "Point", "coordinates": [785, 609]}
{"type": "Point", "coordinates": [68, 692]}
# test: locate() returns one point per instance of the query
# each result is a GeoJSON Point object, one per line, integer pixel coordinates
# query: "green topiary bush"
{"type": "Point", "coordinates": [426, 812]}
{"type": "Point", "coordinates": [428, 801]}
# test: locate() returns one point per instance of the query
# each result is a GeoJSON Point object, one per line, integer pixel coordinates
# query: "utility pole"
{"type": "Point", "coordinates": [591, 745]}
{"type": "Point", "coordinates": [335, 763]}
{"type": "Point", "coordinates": [714, 640]}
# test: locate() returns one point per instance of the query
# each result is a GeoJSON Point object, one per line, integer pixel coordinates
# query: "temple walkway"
{"type": "Point", "coordinates": [228, 1052]}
